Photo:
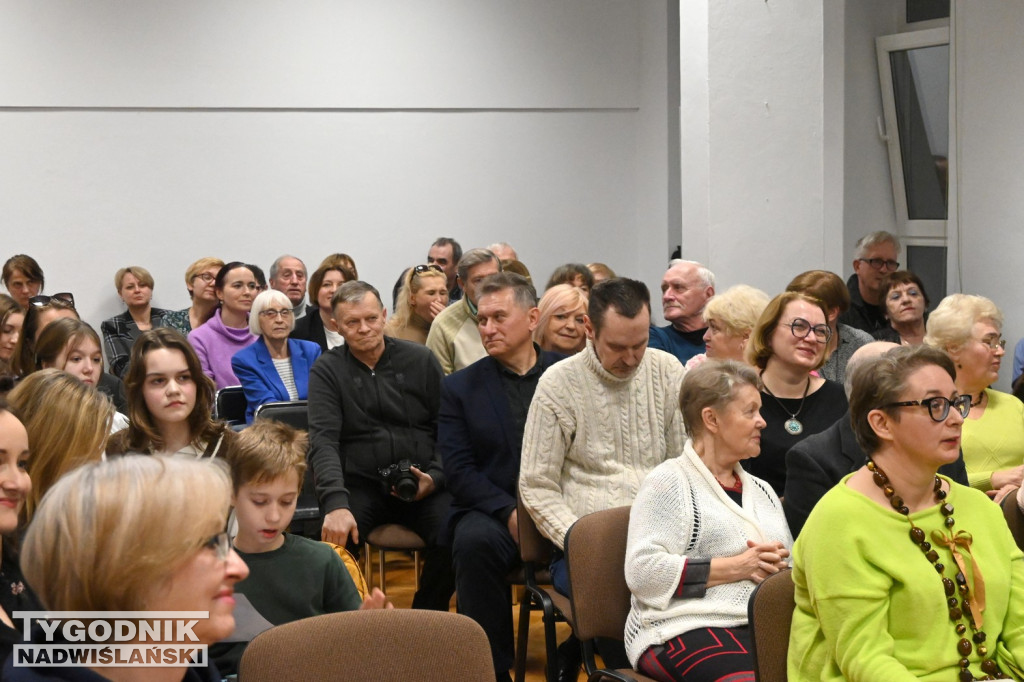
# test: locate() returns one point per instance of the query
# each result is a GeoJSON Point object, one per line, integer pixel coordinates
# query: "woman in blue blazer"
{"type": "Point", "coordinates": [275, 367]}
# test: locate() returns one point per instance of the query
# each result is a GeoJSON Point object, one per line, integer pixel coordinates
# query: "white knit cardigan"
{"type": "Point", "coordinates": [591, 437]}
{"type": "Point", "coordinates": [682, 511]}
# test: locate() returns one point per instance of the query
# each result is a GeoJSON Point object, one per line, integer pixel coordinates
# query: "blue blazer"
{"type": "Point", "coordinates": [259, 378]}
{"type": "Point", "coordinates": [474, 432]}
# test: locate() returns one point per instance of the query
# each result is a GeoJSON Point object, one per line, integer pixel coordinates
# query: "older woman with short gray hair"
{"type": "Point", "coordinates": [275, 368]}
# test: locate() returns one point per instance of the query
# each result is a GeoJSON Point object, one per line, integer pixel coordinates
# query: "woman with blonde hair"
{"type": "Point", "coordinates": [562, 324]}
{"type": "Point", "coordinates": [422, 296]}
{"type": "Point", "coordinates": [969, 330]}
{"type": "Point", "coordinates": [67, 423]}
{"type": "Point", "coordinates": [199, 279]}
{"type": "Point", "coordinates": [136, 534]}
{"type": "Point", "coordinates": [134, 285]}
{"type": "Point", "coordinates": [730, 316]}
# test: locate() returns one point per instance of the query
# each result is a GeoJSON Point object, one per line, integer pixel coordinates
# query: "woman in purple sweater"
{"type": "Point", "coordinates": [227, 332]}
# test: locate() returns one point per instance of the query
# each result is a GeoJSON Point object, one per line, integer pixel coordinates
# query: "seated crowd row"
{"type": "Point", "coordinates": [843, 414]}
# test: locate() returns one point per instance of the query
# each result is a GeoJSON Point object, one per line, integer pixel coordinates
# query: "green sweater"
{"type": "Point", "coordinates": [995, 440]}
{"type": "Point", "coordinates": [870, 607]}
{"type": "Point", "coordinates": [300, 579]}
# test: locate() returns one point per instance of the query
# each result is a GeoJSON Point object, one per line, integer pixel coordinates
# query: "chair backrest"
{"type": "Point", "coordinates": [294, 413]}
{"type": "Point", "coordinates": [1014, 517]}
{"type": "Point", "coordinates": [393, 645]}
{"type": "Point", "coordinates": [534, 548]}
{"type": "Point", "coordinates": [595, 550]}
{"type": "Point", "coordinates": [229, 405]}
{"type": "Point", "coordinates": [770, 612]}
{"type": "Point", "coordinates": [352, 566]}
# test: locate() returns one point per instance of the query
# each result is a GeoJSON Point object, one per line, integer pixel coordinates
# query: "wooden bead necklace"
{"type": "Point", "coordinates": [958, 609]}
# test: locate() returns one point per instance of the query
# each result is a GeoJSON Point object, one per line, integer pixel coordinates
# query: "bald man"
{"type": "Point", "coordinates": [817, 463]}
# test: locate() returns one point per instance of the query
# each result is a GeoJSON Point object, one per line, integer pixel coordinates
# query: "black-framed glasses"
{"type": "Point", "coordinates": [420, 269]}
{"type": "Point", "coordinates": [938, 407]}
{"type": "Point", "coordinates": [881, 263]}
{"type": "Point", "coordinates": [41, 301]}
{"type": "Point", "coordinates": [801, 329]}
{"type": "Point", "coordinates": [283, 312]}
{"type": "Point", "coordinates": [219, 543]}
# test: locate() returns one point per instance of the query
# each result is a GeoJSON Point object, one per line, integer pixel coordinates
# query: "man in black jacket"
{"type": "Point", "coordinates": [373, 404]}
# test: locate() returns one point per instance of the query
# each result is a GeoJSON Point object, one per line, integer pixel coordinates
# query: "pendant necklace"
{"type": "Point", "coordinates": [792, 425]}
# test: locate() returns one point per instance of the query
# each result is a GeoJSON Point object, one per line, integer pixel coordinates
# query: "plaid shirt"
{"type": "Point", "coordinates": [119, 334]}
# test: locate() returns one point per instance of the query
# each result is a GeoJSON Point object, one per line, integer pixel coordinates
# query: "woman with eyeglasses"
{"type": "Point", "coordinates": [788, 343]}
{"type": "Point", "coordinates": [318, 324]}
{"type": "Point", "coordinates": [135, 534]}
{"type": "Point", "coordinates": [134, 285]}
{"type": "Point", "coordinates": [422, 296]}
{"type": "Point", "coordinates": [906, 304]}
{"type": "Point", "coordinates": [969, 329]}
{"type": "Point", "coordinates": [22, 277]}
{"type": "Point", "coordinates": [275, 368]}
{"type": "Point", "coordinates": [900, 573]}
{"type": "Point", "coordinates": [199, 279]}
{"type": "Point", "coordinates": [227, 332]}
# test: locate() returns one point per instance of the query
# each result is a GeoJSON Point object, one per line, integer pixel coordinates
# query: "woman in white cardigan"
{"type": "Point", "coordinates": [702, 533]}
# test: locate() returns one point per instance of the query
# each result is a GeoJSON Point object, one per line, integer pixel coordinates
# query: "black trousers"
{"type": "Point", "coordinates": [371, 507]}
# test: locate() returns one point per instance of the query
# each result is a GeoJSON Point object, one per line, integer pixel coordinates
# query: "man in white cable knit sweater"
{"type": "Point", "coordinates": [600, 420]}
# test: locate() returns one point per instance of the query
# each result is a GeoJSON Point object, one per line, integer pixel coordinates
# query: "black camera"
{"type": "Point", "coordinates": [401, 478]}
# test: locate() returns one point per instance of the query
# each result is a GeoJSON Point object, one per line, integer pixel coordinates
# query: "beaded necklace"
{"type": "Point", "coordinates": [971, 602]}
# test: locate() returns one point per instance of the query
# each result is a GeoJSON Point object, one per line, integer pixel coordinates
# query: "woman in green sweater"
{"type": "Point", "coordinates": [902, 574]}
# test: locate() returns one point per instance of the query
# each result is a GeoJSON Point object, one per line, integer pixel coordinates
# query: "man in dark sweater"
{"type": "Point", "coordinates": [875, 259]}
{"type": "Point", "coordinates": [373, 403]}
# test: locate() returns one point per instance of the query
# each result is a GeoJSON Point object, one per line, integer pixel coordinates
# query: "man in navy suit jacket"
{"type": "Point", "coordinates": [480, 434]}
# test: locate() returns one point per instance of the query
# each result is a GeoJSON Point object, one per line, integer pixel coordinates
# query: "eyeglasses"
{"type": "Point", "coordinates": [993, 343]}
{"type": "Point", "coordinates": [801, 329]}
{"type": "Point", "coordinates": [881, 263]}
{"type": "Point", "coordinates": [63, 298]}
{"type": "Point", "coordinates": [205, 276]}
{"type": "Point", "coordinates": [284, 313]}
{"type": "Point", "coordinates": [938, 407]}
{"type": "Point", "coordinates": [420, 269]}
{"type": "Point", "coordinates": [219, 543]}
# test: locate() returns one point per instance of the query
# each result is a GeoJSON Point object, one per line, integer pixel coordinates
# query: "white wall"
{"type": "Point", "coordinates": [154, 133]}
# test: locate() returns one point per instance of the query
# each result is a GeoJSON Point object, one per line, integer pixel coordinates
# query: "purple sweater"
{"type": "Point", "coordinates": [215, 344]}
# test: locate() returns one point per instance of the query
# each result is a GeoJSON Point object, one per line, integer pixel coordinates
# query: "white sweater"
{"type": "Point", "coordinates": [681, 511]}
{"type": "Point", "coordinates": [591, 437]}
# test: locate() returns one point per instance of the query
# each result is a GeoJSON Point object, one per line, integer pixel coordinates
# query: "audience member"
{"type": "Point", "coordinates": [702, 534]}
{"type": "Point", "coordinates": [170, 401]}
{"type": "Point", "coordinates": [480, 434]}
{"type": "Point", "coordinates": [41, 311]}
{"type": "Point", "coordinates": [817, 463]}
{"type": "Point", "coordinates": [276, 367]}
{"type": "Point", "coordinates": [261, 279]}
{"type": "Point", "coordinates": [373, 407]}
{"type": "Point", "coordinates": [969, 329]}
{"type": "Point", "coordinates": [318, 325]}
{"type": "Point", "coordinates": [869, 604]}
{"type": "Point", "coordinates": [787, 345]}
{"type": "Point", "coordinates": [447, 253]}
{"type": "Point", "coordinates": [906, 308]}
{"type": "Point", "coordinates": [135, 287]}
{"type": "Point", "coordinates": [453, 336]}
{"type": "Point", "coordinates": [227, 332]}
{"type": "Point", "coordinates": [828, 288]}
{"type": "Point", "coordinates": [573, 274]}
{"type": "Point", "coordinates": [422, 296]}
{"type": "Point", "coordinates": [730, 318]}
{"type": "Point", "coordinates": [503, 250]}
{"type": "Point", "coordinates": [562, 327]}
{"type": "Point", "coordinates": [134, 534]}
{"type": "Point", "coordinates": [345, 261]}
{"type": "Point", "coordinates": [876, 256]}
{"type": "Point", "coordinates": [12, 316]}
{"type": "Point", "coordinates": [601, 272]}
{"type": "Point", "coordinates": [199, 279]}
{"type": "Point", "coordinates": [288, 275]}
{"type": "Point", "coordinates": [518, 268]}
{"type": "Point", "coordinates": [67, 422]}
{"type": "Point", "coordinates": [1018, 361]}
{"type": "Point", "coordinates": [685, 289]}
{"type": "Point", "coordinates": [290, 577]}
{"type": "Point", "coordinates": [23, 278]}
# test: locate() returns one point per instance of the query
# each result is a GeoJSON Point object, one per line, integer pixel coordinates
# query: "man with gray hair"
{"type": "Point", "coordinates": [453, 336]}
{"type": "Point", "coordinates": [685, 289]}
{"type": "Point", "coordinates": [373, 406]}
{"type": "Point", "coordinates": [817, 463]}
{"type": "Point", "coordinates": [288, 275]}
{"type": "Point", "coordinates": [504, 251]}
{"type": "Point", "coordinates": [875, 258]}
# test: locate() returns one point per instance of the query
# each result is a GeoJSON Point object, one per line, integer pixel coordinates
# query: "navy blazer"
{"type": "Point", "coordinates": [474, 433]}
{"type": "Point", "coordinates": [259, 378]}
